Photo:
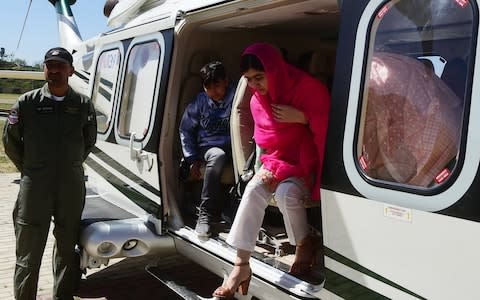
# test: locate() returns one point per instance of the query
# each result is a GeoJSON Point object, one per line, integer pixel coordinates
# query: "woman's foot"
{"type": "Point", "coordinates": [238, 280]}
{"type": "Point", "coordinates": [305, 257]}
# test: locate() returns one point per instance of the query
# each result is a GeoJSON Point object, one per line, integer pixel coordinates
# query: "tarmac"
{"type": "Point", "coordinates": [8, 194]}
{"type": "Point", "coordinates": [122, 279]}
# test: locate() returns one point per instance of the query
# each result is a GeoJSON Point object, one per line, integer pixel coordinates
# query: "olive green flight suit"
{"type": "Point", "coordinates": [48, 141]}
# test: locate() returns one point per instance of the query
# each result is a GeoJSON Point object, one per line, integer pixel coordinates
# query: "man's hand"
{"type": "Point", "coordinates": [288, 114]}
{"type": "Point", "coordinates": [195, 170]}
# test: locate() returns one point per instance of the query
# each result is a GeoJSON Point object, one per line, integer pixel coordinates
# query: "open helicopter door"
{"type": "Point", "coordinates": [128, 91]}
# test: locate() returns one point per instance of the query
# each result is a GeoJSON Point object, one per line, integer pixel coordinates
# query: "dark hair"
{"type": "Point", "coordinates": [250, 61]}
{"type": "Point", "coordinates": [212, 72]}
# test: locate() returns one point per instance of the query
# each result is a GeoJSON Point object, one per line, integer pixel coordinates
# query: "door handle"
{"type": "Point", "coordinates": [138, 154]}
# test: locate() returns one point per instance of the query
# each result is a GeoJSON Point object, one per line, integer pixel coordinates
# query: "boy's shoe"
{"type": "Point", "coordinates": [202, 229]}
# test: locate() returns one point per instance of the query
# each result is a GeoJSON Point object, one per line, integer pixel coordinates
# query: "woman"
{"type": "Point", "coordinates": [293, 148]}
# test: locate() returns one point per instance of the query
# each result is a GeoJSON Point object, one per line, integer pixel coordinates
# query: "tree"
{"type": "Point", "coordinates": [38, 65]}
{"type": "Point", "coordinates": [19, 62]}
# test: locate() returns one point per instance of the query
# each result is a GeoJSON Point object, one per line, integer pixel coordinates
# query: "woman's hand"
{"type": "Point", "coordinates": [288, 114]}
{"type": "Point", "coordinates": [268, 179]}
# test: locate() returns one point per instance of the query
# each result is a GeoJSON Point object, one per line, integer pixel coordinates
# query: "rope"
{"type": "Point", "coordinates": [23, 27]}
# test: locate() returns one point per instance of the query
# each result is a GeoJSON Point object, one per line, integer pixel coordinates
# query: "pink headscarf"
{"type": "Point", "coordinates": [292, 149]}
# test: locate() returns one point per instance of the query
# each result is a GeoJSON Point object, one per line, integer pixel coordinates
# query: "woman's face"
{"type": "Point", "coordinates": [257, 80]}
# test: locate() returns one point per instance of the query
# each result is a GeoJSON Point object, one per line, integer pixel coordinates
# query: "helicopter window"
{"type": "Point", "coordinates": [138, 89]}
{"type": "Point", "coordinates": [414, 93]}
{"type": "Point", "coordinates": [104, 87]}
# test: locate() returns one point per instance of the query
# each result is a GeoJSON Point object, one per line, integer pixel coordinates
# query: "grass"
{"type": "Point", "coordinates": [7, 100]}
{"type": "Point", "coordinates": [6, 166]}
{"type": "Point", "coordinates": [5, 105]}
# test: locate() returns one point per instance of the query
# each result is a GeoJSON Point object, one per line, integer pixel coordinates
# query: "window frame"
{"type": "Point", "coordinates": [118, 47]}
{"type": "Point", "coordinates": [159, 39]}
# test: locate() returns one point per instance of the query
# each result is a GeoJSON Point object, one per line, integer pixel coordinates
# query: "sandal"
{"type": "Point", "coordinates": [305, 258]}
{"type": "Point", "coordinates": [228, 293]}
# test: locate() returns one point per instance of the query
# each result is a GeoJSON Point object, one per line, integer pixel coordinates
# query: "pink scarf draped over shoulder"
{"type": "Point", "coordinates": [291, 149]}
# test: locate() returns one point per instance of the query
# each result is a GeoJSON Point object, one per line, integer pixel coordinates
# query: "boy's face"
{"type": "Point", "coordinates": [216, 90]}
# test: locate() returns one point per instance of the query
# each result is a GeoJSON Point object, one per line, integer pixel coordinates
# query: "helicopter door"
{"type": "Point", "coordinates": [128, 93]}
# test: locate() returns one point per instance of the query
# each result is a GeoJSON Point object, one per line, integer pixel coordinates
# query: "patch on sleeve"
{"type": "Point", "coordinates": [13, 117]}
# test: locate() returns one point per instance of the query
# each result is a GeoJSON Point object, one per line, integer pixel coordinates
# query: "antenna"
{"type": "Point", "coordinates": [23, 27]}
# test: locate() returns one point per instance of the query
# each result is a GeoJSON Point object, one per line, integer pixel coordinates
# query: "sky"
{"type": "Point", "coordinates": [41, 31]}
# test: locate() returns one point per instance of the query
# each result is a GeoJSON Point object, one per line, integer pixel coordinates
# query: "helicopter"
{"type": "Point", "coordinates": [398, 214]}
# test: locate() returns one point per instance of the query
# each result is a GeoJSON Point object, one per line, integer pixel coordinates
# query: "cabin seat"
{"type": "Point", "coordinates": [241, 127]}
{"type": "Point", "coordinates": [320, 64]}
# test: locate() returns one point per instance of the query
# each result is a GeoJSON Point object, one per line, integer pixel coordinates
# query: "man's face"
{"type": "Point", "coordinates": [57, 73]}
{"type": "Point", "coordinates": [216, 90]}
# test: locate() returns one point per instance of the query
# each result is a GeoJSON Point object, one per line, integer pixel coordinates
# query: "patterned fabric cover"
{"type": "Point", "coordinates": [412, 123]}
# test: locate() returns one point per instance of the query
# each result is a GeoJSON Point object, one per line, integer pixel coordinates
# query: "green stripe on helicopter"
{"type": "Point", "coordinates": [342, 259]}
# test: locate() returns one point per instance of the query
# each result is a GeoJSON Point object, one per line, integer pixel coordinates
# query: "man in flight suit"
{"type": "Point", "coordinates": [49, 133]}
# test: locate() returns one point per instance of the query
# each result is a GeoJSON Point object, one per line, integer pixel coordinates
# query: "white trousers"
{"type": "Point", "coordinates": [289, 195]}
